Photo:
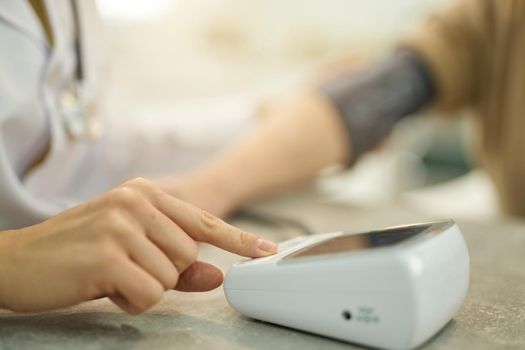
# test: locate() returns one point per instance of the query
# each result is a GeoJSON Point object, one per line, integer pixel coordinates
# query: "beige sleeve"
{"type": "Point", "coordinates": [451, 43]}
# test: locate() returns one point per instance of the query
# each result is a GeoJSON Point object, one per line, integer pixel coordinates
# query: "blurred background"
{"type": "Point", "coordinates": [204, 66]}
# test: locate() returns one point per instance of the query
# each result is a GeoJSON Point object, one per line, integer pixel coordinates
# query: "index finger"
{"type": "Point", "coordinates": [205, 227]}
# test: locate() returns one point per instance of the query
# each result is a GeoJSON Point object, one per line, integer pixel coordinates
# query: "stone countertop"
{"type": "Point", "coordinates": [493, 315]}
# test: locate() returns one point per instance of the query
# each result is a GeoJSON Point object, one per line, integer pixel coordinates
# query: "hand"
{"type": "Point", "coordinates": [131, 244]}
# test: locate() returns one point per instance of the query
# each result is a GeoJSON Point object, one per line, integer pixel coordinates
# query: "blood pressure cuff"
{"type": "Point", "coordinates": [370, 102]}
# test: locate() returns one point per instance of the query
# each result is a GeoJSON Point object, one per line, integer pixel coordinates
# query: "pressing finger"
{"type": "Point", "coordinates": [204, 227]}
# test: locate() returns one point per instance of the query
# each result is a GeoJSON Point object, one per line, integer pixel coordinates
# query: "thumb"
{"type": "Point", "coordinates": [199, 277]}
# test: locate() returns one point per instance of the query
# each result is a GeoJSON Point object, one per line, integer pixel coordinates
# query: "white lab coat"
{"type": "Point", "coordinates": [32, 75]}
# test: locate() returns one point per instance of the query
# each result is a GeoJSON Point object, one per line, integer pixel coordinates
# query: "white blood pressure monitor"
{"type": "Point", "coordinates": [391, 288]}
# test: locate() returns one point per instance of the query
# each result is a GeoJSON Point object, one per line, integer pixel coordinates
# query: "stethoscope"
{"type": "Point", "coordinates": [78, 115]}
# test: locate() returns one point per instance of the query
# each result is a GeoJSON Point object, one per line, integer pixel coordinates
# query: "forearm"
{"type": "Point", "coordinates": [289, 149]}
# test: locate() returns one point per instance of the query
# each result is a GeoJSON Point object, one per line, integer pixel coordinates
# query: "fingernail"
{"type": "Point", "coordinates": [267, 246]}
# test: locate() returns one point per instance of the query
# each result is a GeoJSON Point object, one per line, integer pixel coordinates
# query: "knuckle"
{"type": "Point", "coordinates": [141, 183]}
{"type": "Point", "coordinates": [116, 222]}
{"type": "Point", "coordinates": [112, 215]}
{"type": "Point", "coordinates": [125, 197]}
{"type": "Point", "coordinates": [208, 222]}
{"type": "Point", "coordinates": [244, 238]}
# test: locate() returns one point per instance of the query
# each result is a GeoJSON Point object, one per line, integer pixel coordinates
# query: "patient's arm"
{"type": "Point", "coordinates": [331, 124]}
{"type": "Point", "coordinates": [287, 150]}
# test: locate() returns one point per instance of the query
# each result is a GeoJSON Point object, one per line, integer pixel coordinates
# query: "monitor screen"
{"type": "Point", "coordinates": [361, 241]}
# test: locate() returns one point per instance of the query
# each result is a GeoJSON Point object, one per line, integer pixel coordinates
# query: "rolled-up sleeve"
{"type": "Point", "coordinates": [451, 44]}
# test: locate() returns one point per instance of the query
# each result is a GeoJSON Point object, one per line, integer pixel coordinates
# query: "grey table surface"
{"type": "Point", "coordinates": [492, 317]}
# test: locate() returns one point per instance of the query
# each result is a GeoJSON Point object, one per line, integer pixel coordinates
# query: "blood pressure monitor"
{"type": "Point", "coordinates": [391, 288]}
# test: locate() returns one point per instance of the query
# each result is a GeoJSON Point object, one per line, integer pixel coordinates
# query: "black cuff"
{"type": "Point", "coordinates": [370, 102]}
